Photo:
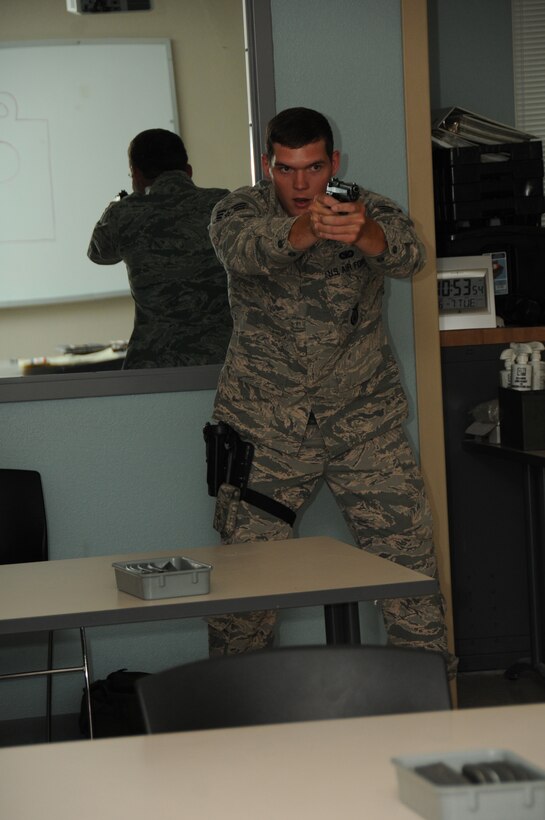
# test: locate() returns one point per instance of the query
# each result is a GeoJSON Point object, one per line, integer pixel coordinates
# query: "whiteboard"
{"type": "Point", "coordinates": [68, 110]}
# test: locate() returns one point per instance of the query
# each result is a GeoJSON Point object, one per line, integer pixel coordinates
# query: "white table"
{"type": "Point", "coordinates": [82, 592]}
{"type": "Point", "coordinates": [321, 770]}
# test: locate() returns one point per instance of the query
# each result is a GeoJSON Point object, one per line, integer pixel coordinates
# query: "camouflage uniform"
{"type": "Point", "coordinates": [310, 380]}
{"type": "Point", "coordinates": [179, 288]}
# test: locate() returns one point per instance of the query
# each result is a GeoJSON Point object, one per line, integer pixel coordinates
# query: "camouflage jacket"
{"type": "Point", "coordinates": [179, 288]}
{"type": "Point", "coordinates": [308, 333]}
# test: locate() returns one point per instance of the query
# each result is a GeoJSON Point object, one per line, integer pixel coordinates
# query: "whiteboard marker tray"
{"type": "Point", "coordinates": [163, 577]}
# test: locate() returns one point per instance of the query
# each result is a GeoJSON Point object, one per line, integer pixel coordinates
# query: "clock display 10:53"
{"type": "Point", "coordinates": [462, 293]}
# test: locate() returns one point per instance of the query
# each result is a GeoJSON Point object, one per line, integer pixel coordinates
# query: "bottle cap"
{"type": "Point", "coordinates": [520, 347]}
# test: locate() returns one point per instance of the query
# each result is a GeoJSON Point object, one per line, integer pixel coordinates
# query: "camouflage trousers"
{"type": "Point", "coordinates": [380, 492]}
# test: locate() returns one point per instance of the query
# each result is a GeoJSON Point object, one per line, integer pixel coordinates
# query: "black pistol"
{"type": "Point", "coordinates": [343, 191]}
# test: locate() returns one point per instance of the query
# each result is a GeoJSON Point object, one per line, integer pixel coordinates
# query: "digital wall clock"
{"type": "Point", "coordinates": [465, 292]}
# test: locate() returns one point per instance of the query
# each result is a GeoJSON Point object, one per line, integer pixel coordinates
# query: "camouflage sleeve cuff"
{"type": "Point", "coordinates": [281, 248]}
{"type": "Point", "coordinates": [272, 247]}
{"type": "Point", "coordinates": [251, 241]}
{"type": "Point", "coordinates": [404, 254]}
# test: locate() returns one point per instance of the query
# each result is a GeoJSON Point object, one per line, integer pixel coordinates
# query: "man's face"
{"type": "Point", "coordinates": [299, 174]}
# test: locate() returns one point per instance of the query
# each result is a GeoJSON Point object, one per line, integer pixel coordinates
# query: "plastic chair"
{"type": "Point", "coordinates": [23, 535]}
{"type": "Point", "coordinates": [23, 538]}
{"type": "Point", "coordinates": [293, 684]}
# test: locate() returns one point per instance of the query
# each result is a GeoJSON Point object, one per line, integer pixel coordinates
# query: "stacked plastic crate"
{"type": "Point", "coordinates": [479, 186]}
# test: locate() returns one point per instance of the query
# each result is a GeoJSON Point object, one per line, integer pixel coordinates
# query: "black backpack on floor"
{"type": "Point", "coordinates": [114, 706]}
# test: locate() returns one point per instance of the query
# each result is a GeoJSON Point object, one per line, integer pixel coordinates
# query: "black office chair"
{"type": "Point", "coordinates": [293, 684]}
{"type": "Point", "coordinates": [23, 537]}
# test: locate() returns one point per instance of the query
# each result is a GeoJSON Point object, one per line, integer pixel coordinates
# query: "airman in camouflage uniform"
{"type": "Point", "coordinates": [309, 378]}
{"type": "Point", "coordinates": [161, 232]}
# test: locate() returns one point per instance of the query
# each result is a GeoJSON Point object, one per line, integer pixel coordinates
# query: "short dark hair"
{"type": "Point", "coordinates": [295, 127]}
{"type": "Point", "coordinates": [157, 150]}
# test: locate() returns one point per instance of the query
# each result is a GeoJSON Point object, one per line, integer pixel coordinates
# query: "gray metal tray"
{"type": "Point", "coordinates": [520, 800]}
{"type": "Point", "coordinates": [170, 577]}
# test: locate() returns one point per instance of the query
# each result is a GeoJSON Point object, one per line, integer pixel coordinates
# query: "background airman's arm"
{"type": "Point", "coordinates": [103, 247]}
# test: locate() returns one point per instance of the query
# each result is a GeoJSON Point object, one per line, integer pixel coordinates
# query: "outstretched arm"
{"type": "Point", "coordinates": [374, 224]}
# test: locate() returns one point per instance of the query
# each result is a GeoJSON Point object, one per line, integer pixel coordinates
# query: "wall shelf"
{"type": "Point", "coordinates": [491, 336]}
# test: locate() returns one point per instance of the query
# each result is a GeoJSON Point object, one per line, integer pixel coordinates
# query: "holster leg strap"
{"type": "Point", "coordinates": [263, 502]}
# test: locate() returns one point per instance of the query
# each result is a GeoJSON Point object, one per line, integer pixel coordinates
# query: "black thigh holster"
{"type": "Point", "coordinates": [228, 462]}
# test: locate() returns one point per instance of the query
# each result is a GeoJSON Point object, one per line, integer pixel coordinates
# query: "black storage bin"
{"type": "Point", "coordinates": [522, 418]}
{"type": "Point", "coordinates": [483, 184]}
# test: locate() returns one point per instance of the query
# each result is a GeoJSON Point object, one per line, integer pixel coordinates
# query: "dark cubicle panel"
{"type": "Point", "coordinates": [486, 207]}
{"type": "Point", "coordinates": [486, 523]}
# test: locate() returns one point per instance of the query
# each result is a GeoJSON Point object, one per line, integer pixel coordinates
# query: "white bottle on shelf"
{"type": "Point", "coordinates": [538, 367]}
{"type": "Point", "coordinates": [508, 357]}
{"type": "Point", "coordinates": [521, 374]}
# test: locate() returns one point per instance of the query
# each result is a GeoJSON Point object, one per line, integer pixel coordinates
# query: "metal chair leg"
{"type": "Point", "coordinates": [85, 670]}
{"type": "Point", "coordinates": [49, 672]}
{"type": "Point", "coordinates": [49, 684]}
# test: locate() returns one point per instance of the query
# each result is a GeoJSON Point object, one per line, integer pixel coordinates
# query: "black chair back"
{"type": "Point", "coordinates": [23, 538]}
{"type": "Point", "coordinates": [23, 528]}
{"type": "Point", "coordinates": [293, 684]}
